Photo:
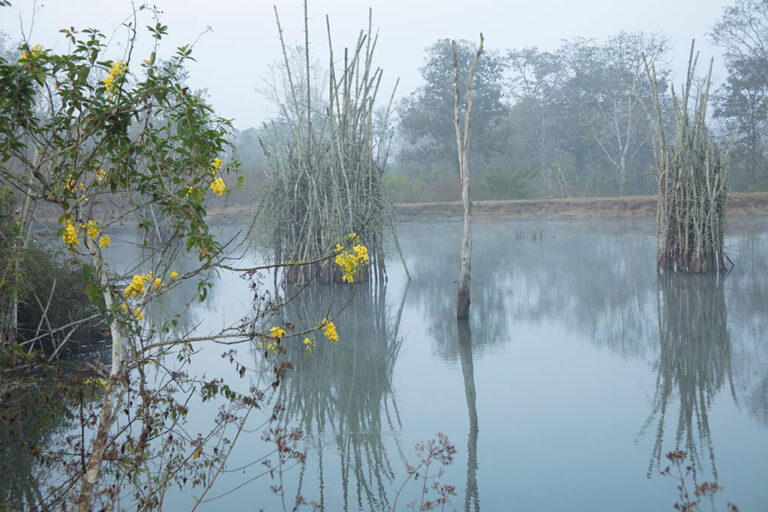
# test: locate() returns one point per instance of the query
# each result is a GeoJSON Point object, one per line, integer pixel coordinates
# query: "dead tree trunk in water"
{"type": "Point", "coordinates": [462, 144]}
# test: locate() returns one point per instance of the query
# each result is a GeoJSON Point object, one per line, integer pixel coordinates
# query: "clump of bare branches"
{"type": "Point", "coordinates": [692, 174]}
{"type": "Point", "coordinates": [326, 163]}
{"type": "Point", "coordinates": [691, 500]}
{"type": "Point", "coordinates": [435, 451]}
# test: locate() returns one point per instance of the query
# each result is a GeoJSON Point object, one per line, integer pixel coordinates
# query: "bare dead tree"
{"type": "Point", "coordinates": [462, 144]}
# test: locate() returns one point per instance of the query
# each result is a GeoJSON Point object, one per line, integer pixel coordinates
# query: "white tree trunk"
{"type": "Point", "coordinates": [113, 390]}
{"type": "Point", "coordinates": [462, 144]}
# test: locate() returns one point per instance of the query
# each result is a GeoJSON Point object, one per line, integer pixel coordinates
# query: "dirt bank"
{"type": "Point", "coordinates": [738, 204]}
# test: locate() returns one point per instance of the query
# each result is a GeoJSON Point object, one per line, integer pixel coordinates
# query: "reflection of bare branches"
{"type": "Point", "coordinates": [345, 388]}
{"type": "Point", "coordinates": [695, 360]}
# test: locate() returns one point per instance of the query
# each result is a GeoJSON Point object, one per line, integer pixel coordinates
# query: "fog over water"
{"type": "Point", "coordinates": [578, 370]}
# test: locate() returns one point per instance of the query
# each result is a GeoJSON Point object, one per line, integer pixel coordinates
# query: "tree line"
{"type": "Point", "coordinates": [571, 121]}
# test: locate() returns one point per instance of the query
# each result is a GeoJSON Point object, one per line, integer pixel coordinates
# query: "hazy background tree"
{"type": "Point", "coordinates": [549, 124]}
{"type": "Point", "coordinates": [427, 138]}
{"type": "Point", "coordinates": [532, 81]}
{"type": "Point", "coordinates": [742, 101]}
{"type": "Point", "coordinates": [607, 82]}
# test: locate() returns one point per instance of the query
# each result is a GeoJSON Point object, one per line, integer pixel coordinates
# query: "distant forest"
{"type": "Point", "coordinates": [567, 123]}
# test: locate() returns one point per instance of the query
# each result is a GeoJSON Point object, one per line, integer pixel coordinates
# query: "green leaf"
{"type": "Point", "coordinates": [94, 294]}
{"type": "Point", "coordinates": [87, 273]}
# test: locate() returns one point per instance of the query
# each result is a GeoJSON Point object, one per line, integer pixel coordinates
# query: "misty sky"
{"type": "Point", "coordinates": [234, 56]}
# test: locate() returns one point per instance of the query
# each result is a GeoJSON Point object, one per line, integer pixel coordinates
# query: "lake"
{"type": "Point", "coordinates": [579, 369]}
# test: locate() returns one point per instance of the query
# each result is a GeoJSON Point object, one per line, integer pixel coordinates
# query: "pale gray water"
{"type": "Point", "coordinates": [578, 371]}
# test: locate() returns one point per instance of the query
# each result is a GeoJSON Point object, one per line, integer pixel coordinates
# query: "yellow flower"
{"type": "Point", "coordinates": [93, 230]}
{"type": "Point", "coordinates": [309, 346]}
{"type": "Point", "coordinates": [124, 307]}
{"type": "Point", "coordinates": [35, 51]}
{"type": "Point", "coordinates": [330, 330]}
{"type": "Point", "coordinates": [174, 275]}
{"type": "Point", "coordinates": [361, 252]}
{"type": "Point", "coordinates": [277, 332]}
{"type": "Point", "coordinates": [349, 261]}
{"type": "Point", "coordinates": [112, 82]}
{"type": "Point", "coordinates": [138, 284]}
{"type": "Point", "coordinates": [70, 236]}
{"type": "Point", "coordinates": [138, 314]}
{"type": "Point", "coordinates": [218, 186]}
{"type": "Point", "coordinates": [100, 174]}
{"type": "Point", "coordinates": [216, 164]}
{"type": "Point", "coordinates": [104, 241]}
{"type": "Point", "coordinates": [157, 283]}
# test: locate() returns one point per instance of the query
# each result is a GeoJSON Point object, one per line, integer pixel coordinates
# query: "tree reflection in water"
{"type": "Point", "coordinates": [345, 389]}
{"type": "Point", "coordinates": [694, 362]}
{"type": "Point", "coordinates": [471, 494]}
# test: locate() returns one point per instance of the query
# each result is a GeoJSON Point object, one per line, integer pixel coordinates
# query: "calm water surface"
{"type": "Point", "coordinates": [578, 370]}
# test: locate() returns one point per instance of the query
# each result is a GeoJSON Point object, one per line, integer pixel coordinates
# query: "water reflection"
{"type": "Point", "coordinates": [594, 283]}
{"type": "Point", "coordinates": [694, 362]}
{"type": "Point", "coordinates": [747, 299]}
{"type": "Point", "coordinates": [32, 421]}
{"type": "Point", "coordinates": [342, 394]}
{"type": "Point", "coordinates": [471, 494]}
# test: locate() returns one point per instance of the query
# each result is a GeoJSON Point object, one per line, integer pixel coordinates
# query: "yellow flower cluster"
{"type": "Point", "coordinates": [93, 230]}
{"type": "Point", "coordinates": [70, 236]}
{"type": "Point", "coordinates": [100, 175]}
{"type": "Point", "coordinates": [350, 260]}
{"type": "Point", "coordinates": [90, 380]}
{"type": "Point", "coordinates": [277, 334]}
{"type": "Point", "coordinates": [26, 56]}
{"type": "Point", "coordinates": [112, 82]}
{"type": "Point", "coordinates": [138, 313]}
{"type": "Point", "coordinates": [139, 284]}
{"type": "Point", "coordinates": [329, 329]}
{"type": "Point", "coordinates": [309, 345]}
{"type": "Point", "coordinates": [72, 185]}
{"type": "Point", "coordinates": [218, 186]}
